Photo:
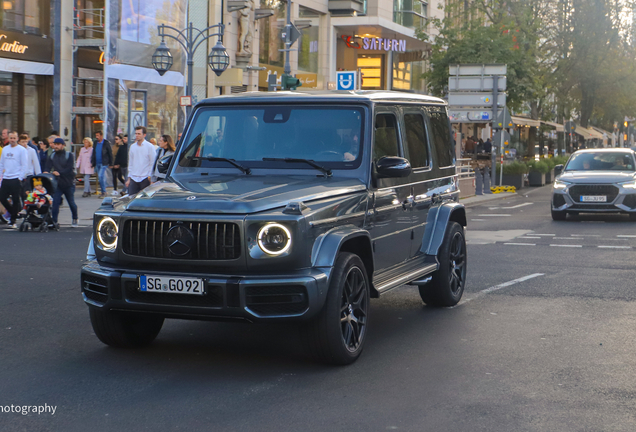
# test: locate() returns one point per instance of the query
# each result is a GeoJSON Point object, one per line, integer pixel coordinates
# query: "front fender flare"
{"type": "Point", "coordinates": [436, 223]}
{"type": "Point", "coordinates": [327, 245]}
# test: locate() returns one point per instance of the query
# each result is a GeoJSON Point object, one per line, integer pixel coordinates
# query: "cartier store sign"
{"type": "Point", "coordinates": [20, 46]}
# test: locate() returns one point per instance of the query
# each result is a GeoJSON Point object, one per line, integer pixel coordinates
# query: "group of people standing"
{"type": "Point", "coordinates": [134, 166]}
{"type": "Point", "coordinates": [477, 146]}
{"type": "Point", "coordinates": [21, 158]}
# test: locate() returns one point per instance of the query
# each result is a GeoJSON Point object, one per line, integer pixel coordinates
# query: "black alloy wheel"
{"type": "Point", "coordinates": [337, 334]}
{"type": "Point", "coordinates": [447, 284]}
{"type": "Point", "coordinates": [353, 309]}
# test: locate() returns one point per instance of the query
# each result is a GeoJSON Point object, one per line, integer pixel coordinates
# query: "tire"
{"type": "Point", "coordinates": [123, 330]}
{"type": "Point", "coordinates": [632, 216]}
{"type": "Point", "coordinates": [558, 215]}
{"type": "Point", "coordinates": [337, 335]}
{"type": "Point", "coordinates": [447, 284]}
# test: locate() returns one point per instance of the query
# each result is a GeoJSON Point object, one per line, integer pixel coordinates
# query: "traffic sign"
{"type": "Point", "coordinates": [504, 121]}
{"type": "Point", "coordinates": [185, 101]}
{"type": "Point", "coordinates": [291, 34]}
{"type": "Point", "coordinates": [346, 80]}
{"type": "Point", "coordinates": [570, 126]}
{"type": "Point", "coordinates": [475, 99]}
{"type": "Point", "coordinates": [477, 69]}
{"type": "Point", "coordinates": [477, 83]}
{"type": "Point", "coordinates": [496, 139]}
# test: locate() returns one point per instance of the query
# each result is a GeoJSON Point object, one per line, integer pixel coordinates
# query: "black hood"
{"type": "Point", "coordinates": [239, 194]}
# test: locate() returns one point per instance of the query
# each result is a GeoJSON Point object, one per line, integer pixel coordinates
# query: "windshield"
{"type": "Point", "coordinates": [331, 136]}
{"type": "Point", "coordinates": [601, 161]}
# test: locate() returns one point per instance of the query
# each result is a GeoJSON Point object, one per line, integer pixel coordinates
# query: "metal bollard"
{"type": "Point", "coordinates": [479, 182]}
{"type": "Point", "coordinates": [487, 181]}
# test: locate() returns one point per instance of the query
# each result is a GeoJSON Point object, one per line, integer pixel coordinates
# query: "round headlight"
{"type": "Point", "coordinates": [107, 232]}
{"type": "Point", "coordinates": [274, 239]}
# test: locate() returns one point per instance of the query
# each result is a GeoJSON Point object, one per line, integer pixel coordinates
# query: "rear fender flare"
{"type": "Point", "coordinates": [436, 223]}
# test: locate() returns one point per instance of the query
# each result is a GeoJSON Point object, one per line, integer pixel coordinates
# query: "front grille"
{"type": "Point", "coordinates": [276, 300]}
{"type": "Point", "coordinates": [213, 297]}
{"type": "Point", "coordinates": [577, 191]}
{"type": "Point", "coordinates": [558, 200]}
{"type": "Point", "coordinates": [95, 288]}
{"type": "Point", "coordinates": [630, 201]}
{"type": "Point", "coordinates": [211, 240]}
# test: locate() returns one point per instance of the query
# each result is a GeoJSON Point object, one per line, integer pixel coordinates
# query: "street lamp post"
{"type": "Point", "coordinates": [190, 39]}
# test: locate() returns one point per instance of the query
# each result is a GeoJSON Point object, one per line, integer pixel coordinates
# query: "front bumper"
{"type": "Point", "coordinates": [292, 296]}
{"type": "Point", "coordinates": [624, 202]}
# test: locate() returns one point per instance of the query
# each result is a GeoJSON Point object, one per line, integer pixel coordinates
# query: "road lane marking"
{"type": "Point", "coordinates": [627, 236]}
{"type": "Point", "coordinates": [544, 235]}
{"type": "Point", "coordinates": [557, 245]}
{"type": "Point", "coordinates": [565, 238]}
{"type": "Point", "coordinates": [494, 215]}
{"type": "Point", "coordinates": [478, 220]}
{"type": "Point", "coordinates": [587, 235]}
{"type": "Point", "coordinates": [521, 244]}
{"type": "Point", "coordinates": [615, 247]}
{"type": "Point", "coordinates": [528, 237]}
{"type": "Point", "coordinates": [503, 285]}
{"type": "Point", "coordinates": [518, 205]}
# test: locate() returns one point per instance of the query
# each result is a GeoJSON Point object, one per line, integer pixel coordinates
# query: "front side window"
{"type": "Point", "coordinates": [601, 161]}
{"type": "Point", "coordinates": [386, 136]}
{"type": "Point", "coordinates": [331, 136]}
{"type": "Point", "coordinates": [440, 131]}
{"type": "Point", "coordinates": [416, 140]}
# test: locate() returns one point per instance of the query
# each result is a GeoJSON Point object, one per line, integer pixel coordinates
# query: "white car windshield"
{"type": "Point", "coordinates": [601, 161]}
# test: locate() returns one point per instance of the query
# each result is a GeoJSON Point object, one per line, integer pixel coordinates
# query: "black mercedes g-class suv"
{"type": "Point", "coordinates": [304, 207]}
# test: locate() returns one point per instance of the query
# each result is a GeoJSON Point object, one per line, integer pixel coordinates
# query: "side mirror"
{"type": "Point", "coordinates": [558, 169]}
{"type": "Point", "coordinates": [164, 163]}
{"type": "Point", "coordinates": [392, 166]}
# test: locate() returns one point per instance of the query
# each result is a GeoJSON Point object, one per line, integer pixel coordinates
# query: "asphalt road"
{"type": "Point", "coordinates": [553, 352]}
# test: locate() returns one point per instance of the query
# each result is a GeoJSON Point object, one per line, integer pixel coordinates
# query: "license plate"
{"type": "Point", "coordinates": [593, 198]}
{"type": "Point", "coordinates": [171, 285]}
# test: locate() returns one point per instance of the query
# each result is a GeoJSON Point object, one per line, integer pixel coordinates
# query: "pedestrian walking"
{"type": "Point", "coordinates": [470, 145]}
{"type": "Point", "coordinates": [33, 159]}
{"type": "Point", "coordinates": [14, 163]}
{"type": "Point", "coordinates": [43, 153]}
{"type": "Point", "coordinates": [62, 165]}
{"type": "Point", "coordinates": [121, 163]}
{"type": "Point", "coordinates": [166, 148]}
{"type": "Point", "coordinates": [488, 146]}
{"type": "Point", "coordinates": [84, 165]}
{"type": "Point", "coordinates": [141, 160]}
{"type": "Point", "coordinates": [101, 159]}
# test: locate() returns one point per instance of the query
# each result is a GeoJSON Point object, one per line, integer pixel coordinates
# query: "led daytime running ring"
{"type": "Point", "coordinates": [99, 232]}
{"type": "Point", "coordinates": [264, 248]}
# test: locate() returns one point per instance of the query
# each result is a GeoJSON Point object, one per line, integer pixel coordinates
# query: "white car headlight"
{"type": "Point", "coordinates": [107, 230]}
{"type": "Point", "coordinates": [558, 184]}
{"type": "Point", "coordinates": [629, 185]}
{"type": "Point", "coordinates": [274, 239]}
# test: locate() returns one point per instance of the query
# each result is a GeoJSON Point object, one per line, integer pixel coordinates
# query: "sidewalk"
{"type": "Point", "coordinates": [85, 208]}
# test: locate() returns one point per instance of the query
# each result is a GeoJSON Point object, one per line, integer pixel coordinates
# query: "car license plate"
{"type": "Point", "coordinates": [593, 198]}
{"type": "Point", "coordinates": [171, 285]}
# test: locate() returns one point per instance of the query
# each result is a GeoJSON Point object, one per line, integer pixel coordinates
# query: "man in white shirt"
{"type": "Point", "coordinates": [141, 159]}
{"type": "Point", "coordinates": [33, 160]}
{"type": "Point", "coordinates": [13, 169]}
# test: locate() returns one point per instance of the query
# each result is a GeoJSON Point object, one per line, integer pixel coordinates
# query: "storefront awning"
{"type": "Point", "coordinates": [556, 126]}
{"type": "Point", "coordinates": [604, 133]}
{"type": "Point", "coordinates": [25, 67]}
{"type": "Point", "coordinates": [522, 121]}
{"type": "Point", "coordinates": [588, 133]}
{"type": "Point", "coordinates": [140, 74]}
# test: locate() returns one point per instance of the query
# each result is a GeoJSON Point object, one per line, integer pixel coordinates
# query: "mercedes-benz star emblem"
{"type": "Point", "coordinates": [180, 240]}
{"type": "Point", "coordinates": [190, 198]}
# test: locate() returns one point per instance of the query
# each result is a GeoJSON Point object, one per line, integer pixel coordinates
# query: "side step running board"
{"type": "Point", "coordinates": [407, 278]}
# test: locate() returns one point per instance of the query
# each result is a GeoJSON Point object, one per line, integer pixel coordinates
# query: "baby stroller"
{"type": "Point", "coordinates": [38, 204]}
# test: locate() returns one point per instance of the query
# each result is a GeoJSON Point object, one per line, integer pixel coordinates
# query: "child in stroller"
{"type": "Point", "coordinates": [38, 203]}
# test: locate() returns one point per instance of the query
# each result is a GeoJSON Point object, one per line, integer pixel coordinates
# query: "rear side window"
{"type": "Point", "coordinates": [440, 131]}
{"type": "Point", "coordinates": [386, 136]}
{"type": "Point", "coordinates": [416, 140]}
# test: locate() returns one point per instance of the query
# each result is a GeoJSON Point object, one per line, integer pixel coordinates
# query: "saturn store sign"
{"type": "Point", "coordinates": [376, 44]}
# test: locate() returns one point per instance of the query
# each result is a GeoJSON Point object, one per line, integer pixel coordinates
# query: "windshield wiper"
{"type": "Point", "coordinates": [325, 171]}
{"type": "Point", "coordinates": [220, 159]}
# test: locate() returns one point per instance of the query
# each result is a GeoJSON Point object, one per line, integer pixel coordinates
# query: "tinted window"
{"type": "Point", "coordinates": [440, 131]}
{"type": "Point", "coordinates": [416, 140]}
{"type": "Point", "coordinates": [251, 134]}
{"type": "Point", "coordinates": [386, 136]}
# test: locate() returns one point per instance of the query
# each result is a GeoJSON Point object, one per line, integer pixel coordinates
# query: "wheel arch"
{"type": "Point", "coordinates": [436, 223]}
{"type": "Point", "coordinates": [348, 238]}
